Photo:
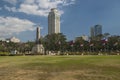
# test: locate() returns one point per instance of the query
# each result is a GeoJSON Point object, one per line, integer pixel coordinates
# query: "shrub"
{"type": "Point", "coordinates": [4, 53]}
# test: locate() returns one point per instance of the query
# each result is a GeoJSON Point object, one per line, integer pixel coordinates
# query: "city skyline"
{"type": "Point", "coordinates": [19, 17]}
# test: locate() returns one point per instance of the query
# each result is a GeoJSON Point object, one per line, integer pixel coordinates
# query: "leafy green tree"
{"type": "Point", "coordinates": [106, 35]}
{"type": "Point", "coordinates": [114, 42]}
{"type": "Point", "coordinates": [79, 44]}
{"type": "Point", "coordinates": [55, 42]}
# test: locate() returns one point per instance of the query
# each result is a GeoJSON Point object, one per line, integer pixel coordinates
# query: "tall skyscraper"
{"type": "Point", "coordinates": [92, 32]}
{"type": "Point", "coordinates": [96, 30]}
{"type": "Point", "coordinates": [53, 21]}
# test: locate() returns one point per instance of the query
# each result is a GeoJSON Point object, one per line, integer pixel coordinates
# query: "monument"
{"type": "Point", "coordinates": [38, 48]}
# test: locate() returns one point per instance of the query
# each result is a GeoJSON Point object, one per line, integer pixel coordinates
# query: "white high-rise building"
{"type": "Point", "coordinates": [53, 21]}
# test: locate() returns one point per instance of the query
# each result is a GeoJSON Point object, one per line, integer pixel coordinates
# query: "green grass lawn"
{"type": "Point", "coordinates": [59, 67]}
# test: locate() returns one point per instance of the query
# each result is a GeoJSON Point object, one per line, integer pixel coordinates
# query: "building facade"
{"type": "Point", "coordinates": [53, 21]}
{"type": "Point", "coordinates": [13, 39]}
{"type": "Point", "coordinates": [92, 32]}
{"type": "Point", "coordinates": [84, 37]}
{"type": "Point", "coordinates": [96, 30]}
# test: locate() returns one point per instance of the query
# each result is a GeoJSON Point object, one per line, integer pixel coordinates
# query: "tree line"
{"type": "Point", "coordinates": [103, 43]}
{"type": "Point", "coordinates": [100, 44]}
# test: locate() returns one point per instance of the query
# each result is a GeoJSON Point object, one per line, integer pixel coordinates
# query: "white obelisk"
{"type": "Point", "coordinates": [38, 48]}
{"type": "Point", "coordinates": [37, 35]}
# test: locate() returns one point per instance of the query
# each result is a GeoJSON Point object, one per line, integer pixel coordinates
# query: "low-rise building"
{"type": "Point", "coordinates": [13, 39]}
{"type": "Point", "coordinates": [84, 37]}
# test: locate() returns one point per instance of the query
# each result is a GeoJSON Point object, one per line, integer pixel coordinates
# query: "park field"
{"type": "Point", "coordinates": [60, 67]}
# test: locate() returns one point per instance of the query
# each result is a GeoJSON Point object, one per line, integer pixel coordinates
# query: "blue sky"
{"type": "Point", "coordinates": [20, 17]}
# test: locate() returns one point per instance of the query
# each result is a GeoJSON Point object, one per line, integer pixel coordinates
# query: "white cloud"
{"type": "Point", "coordinates": [13, 9]}
{"type": "Point", "coordinates": [12, 25]}
{"type": "Point", "coordinates": [40, 7]}
{"type": "Point", "coordinates": [11, 1]}
{"type": "Point", "coordinates": [32, 9]}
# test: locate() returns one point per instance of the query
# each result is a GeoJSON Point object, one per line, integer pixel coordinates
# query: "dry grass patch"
{"type": "Point", "coordinates": [60, 68]}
